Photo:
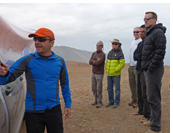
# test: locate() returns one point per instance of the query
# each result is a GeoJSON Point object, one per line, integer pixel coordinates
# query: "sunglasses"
{"type": "Point", "coordinates": [136, 31]}
{"type": "Point", "coordinates": [114, 43]}
{"type": "Point", "coordinates": [40, 39]}
{"type": "Point", "coordinates": [99, 45]}
{"type": "Point", "coordinates": [148, 18]}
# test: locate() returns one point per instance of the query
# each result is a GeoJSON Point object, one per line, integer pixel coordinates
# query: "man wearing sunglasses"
{"type": "Point", "coordinates": [143, 105]}
{"type": "Point", "coordinates": [43, 70]}
{"type": "Point", "coordinates": [132, 68]}
{"type": "Point", "coordinates": [153, 53]}
{"type": "Point", "coordinates": [98, 62]}
{"type": "Point", "coordinates": [114, 64]}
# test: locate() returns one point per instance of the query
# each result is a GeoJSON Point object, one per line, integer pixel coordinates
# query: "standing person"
{"type": "Point", "coordinates": [152, 63]}
{"type": "Point", "coordinates": [115, 63]}
{"type": "Point", "coordinates": [43, 70]}
{"type": "Point", "coordinates": [132, 68]}
{"type": "Point", "coordinates": [97, 61]}
{"type": "Point", "coordinates": [143, 105]}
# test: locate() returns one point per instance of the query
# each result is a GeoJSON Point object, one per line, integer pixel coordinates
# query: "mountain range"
{"type": "Point", "coordinates": [72, 54]}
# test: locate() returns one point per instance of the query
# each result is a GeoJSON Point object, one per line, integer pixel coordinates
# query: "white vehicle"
{"type": "Point", "coordinates": [14, 44]}
{"type": "Point", "coordinates": [12, 106]}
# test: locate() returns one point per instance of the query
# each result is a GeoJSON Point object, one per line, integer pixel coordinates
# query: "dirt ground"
{"type": "Point", "coordinates": [85, 118]}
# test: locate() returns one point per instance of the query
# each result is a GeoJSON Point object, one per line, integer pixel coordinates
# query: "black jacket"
{"type": "Point", "coordinates": [153, 51]}
{"type": "Point", "coordinates": [137, 55]}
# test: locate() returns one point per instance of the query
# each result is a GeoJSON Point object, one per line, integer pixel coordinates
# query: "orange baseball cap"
{"type": "Point", "coordinates": [43, 32]}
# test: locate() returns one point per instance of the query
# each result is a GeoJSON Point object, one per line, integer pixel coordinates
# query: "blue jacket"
{"type": "Point", "coordinates": [42, 78]}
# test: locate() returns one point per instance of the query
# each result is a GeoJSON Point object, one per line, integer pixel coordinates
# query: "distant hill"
{"type": "Point", "coordinates": [72, 54]}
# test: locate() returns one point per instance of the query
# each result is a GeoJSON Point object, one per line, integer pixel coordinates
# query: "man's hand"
{"type": "Point", "coordinates": [67, 113]}
{"type": "Point", "coordinates": [3, 69]}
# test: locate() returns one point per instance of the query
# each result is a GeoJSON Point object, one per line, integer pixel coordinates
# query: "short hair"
{"type": "Point", "coordinates": [136, 27]}
{"type": "Point", "coordinates": [100, 42]}
{"type": "Point", "coordinates": [154, 15]}
{"type": "Point", "coordinates": [142, 26]}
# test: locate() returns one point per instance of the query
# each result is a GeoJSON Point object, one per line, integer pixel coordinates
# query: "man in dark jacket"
{"type": "Point", "coordinates": [97, 61]}
{"type": "Point", "coordinates": [143, 105]}
{"type": "Point", "coordinates": [152, 63]}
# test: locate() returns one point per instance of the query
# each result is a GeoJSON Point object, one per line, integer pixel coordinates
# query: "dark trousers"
{"type": "Point", "coordinates": [146, 106]}
{"type": "Point", "coordinates": [153, 87]}
{"type": "Point", "coordinates": [52, 119]}
{"type": "Point", "coordinates": [139, 90]}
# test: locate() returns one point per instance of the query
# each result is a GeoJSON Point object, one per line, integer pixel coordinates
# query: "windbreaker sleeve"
{"type": "Point", "coordinates": [64, 80]}
{"type": "Point", "coordinates": [14, 72]}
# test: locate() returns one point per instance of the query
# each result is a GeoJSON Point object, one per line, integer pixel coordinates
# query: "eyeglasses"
{"type": "Point", "coordinates": [136, 31]}
{"type": "Point", "coordinates": [148, 18]}
{"type": "Point", "coordinates": [40, 39]}
{"type": "Point", "coordinates": [114, 43]}
{"type": "Point", "coordinates": [143, 31]}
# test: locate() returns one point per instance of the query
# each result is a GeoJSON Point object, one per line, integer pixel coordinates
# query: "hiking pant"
{"type": "Point", "coordinates": [146, 106]}
{"type": "Point", "coordinates": [51, 118]}
{"type": "Point", "coordinates": [153, 87]}
{"type": "Point", "coordinates": [139, 90]}
{"type": "Point", "coordinates": [133, 82]}
{"type": "Point", "coordinates": [97, 85]}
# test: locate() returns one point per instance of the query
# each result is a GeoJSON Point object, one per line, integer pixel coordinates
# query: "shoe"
{"type": "Point", "coordinates": [147, 123]}
{"type": "Point", "coordinates": [98, 105]}
{"type": "Point", "coordinates": [143, 120]}
{"type": "Point", "coordinates": [150, 131]}
{"type": "Point", "coordinates": [109, 104]}
{"type": "Point", "coordinates": [94, 103]}
{"type": "Point", "coordinates": [115, 105]}
{"type": "Point", "coordinates": [132, 102]}
{"type": "Point", "coordinates": [135, 105]}
{"type": "Point", "coordinates": [137, 113]}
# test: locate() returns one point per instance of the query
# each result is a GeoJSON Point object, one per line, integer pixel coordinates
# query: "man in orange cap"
{"type": "Point", "coordinates": [43, 46]}
{"type": "Point", "coordinates": [43, 69]}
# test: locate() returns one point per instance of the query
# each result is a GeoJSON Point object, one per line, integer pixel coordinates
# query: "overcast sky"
{"type": "Point", "coordinates": [81, 26]}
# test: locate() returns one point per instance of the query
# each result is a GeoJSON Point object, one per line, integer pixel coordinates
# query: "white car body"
{"type": "Point", "coordinates": [14, 43]}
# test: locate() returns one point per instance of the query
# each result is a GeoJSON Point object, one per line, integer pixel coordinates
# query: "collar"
{"type": "Point", "coordinates": [99, 51]}
{"type": "Point", "coordinates": [51, 57]}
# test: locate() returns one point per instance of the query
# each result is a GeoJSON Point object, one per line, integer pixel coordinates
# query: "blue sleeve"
{"type": "Point", "coordinates": [15, 71]}
{"type": "Point", "coordinates": [64, 80]}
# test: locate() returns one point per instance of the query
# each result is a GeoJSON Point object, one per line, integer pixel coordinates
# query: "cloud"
{"type": "Point", "coordinates": [82, 25]}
